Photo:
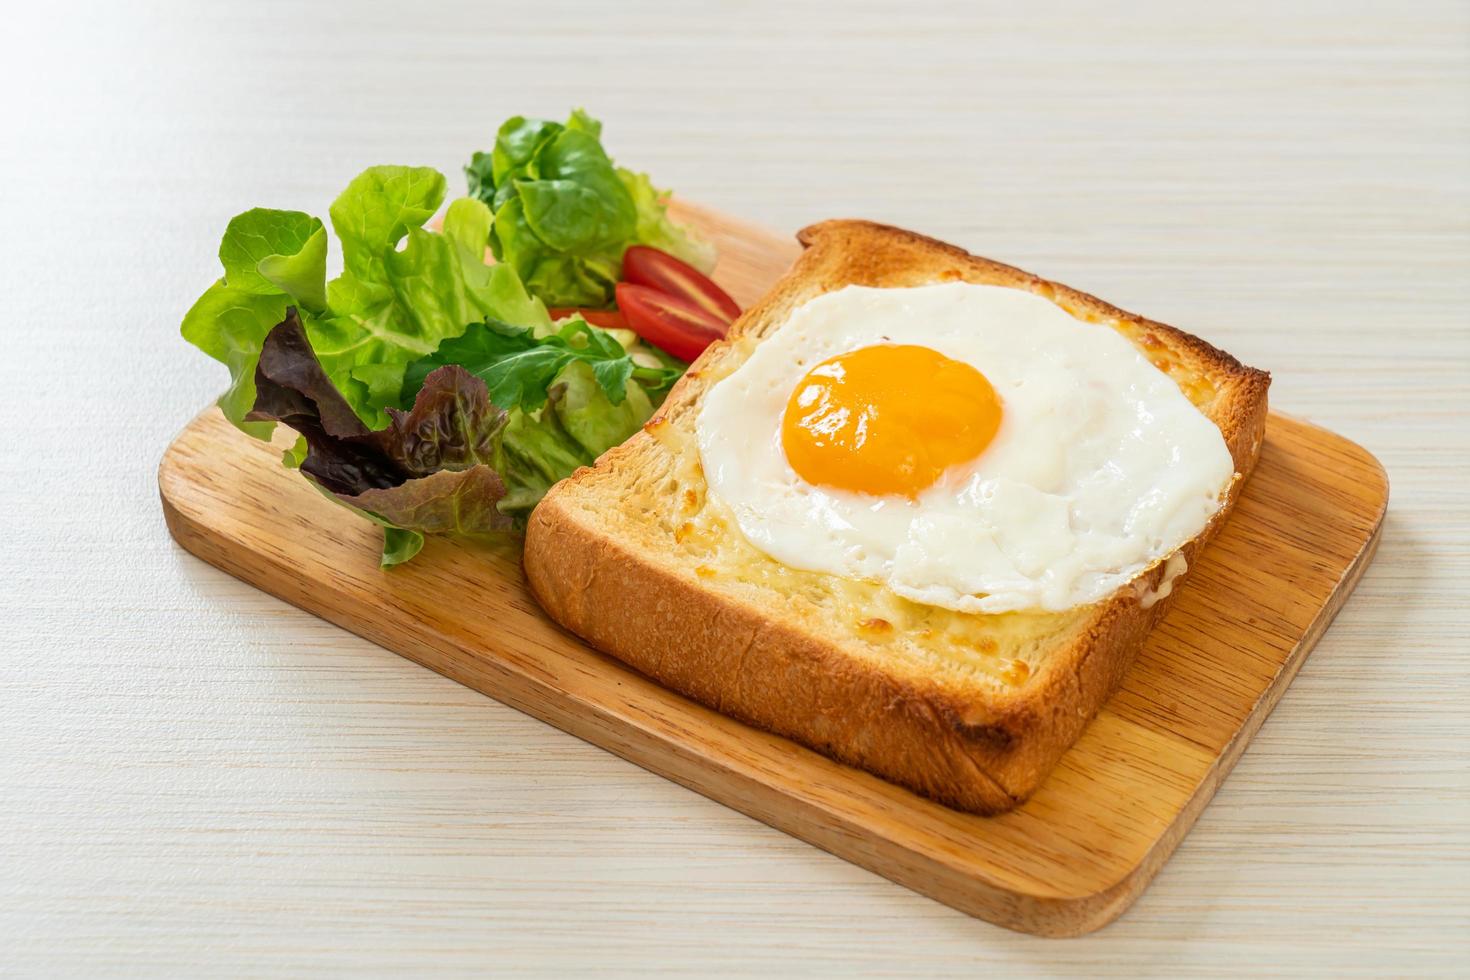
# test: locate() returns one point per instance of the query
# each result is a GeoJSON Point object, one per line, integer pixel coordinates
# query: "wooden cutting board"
{"type": "Point", "coordinates": [1067, 862]}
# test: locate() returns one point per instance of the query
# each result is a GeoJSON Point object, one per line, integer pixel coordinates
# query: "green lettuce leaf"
{"type": "Point", "coordinates": [399, 545]}
{"type": "Point", "coordinates": [559, 278]}
{"type": "Point", "coordinates": [519, 368]}
{"type": "Point", "coordinates": [538, 453]}
{"type": "Point", "coordinates": [496, 288]}
{"type": "Point", "coordinates": [271, 260]}
{"type": "Point", "coordinates": [577, 424]}
{"type": "Point", "coordinates": [656, 228]}
{"type": "Point", "coordinates": [293, 458]}
{"type": "Point", "coordinates": [589, 416]}
{"type": "Point", "coordinates": [656, 381]}
{"type": "Point", "coordinates": [267, 252]}
{"type": "Point", "coordinates": [564, 214]}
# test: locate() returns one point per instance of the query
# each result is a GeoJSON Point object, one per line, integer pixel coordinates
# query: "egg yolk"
{"type": "Point", "coordinates": [887, 420]}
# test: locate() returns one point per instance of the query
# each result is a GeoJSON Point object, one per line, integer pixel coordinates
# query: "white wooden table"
{"type": "Point", "coordinates": [196, 778]}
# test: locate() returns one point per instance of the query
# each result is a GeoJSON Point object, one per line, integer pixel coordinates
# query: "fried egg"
{"type": "Point", "coordinates": [972, 447]}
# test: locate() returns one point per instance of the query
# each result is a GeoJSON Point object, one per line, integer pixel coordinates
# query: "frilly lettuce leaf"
{"type": "Point", "coordinates": [403, 289]}
{"type": "Point", "coordinates": [267, 252]}
{"type": "Point", "coordinates": [380, 207]}
{"type": "Point", "coordinates": [271, 259]}
{"type": "Point", "coordinates": [656, 228]}
{"type": "Point", "coordinates": [538, 453]}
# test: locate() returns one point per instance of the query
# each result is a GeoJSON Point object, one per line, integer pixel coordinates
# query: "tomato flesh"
{"type": "Point", "coordinates": [668, 322]}
{"type": "Point", "coordinates": [658, 270]}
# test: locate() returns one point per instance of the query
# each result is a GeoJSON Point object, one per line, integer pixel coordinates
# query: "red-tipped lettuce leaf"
{"type": "Point", "coordinates": [446, 502]}
{"type": "Point", "coordinates": [434, 469]}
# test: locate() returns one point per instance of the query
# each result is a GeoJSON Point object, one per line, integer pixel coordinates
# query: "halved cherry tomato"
{"type": "Point", "coordinates": [668, 322]}
{"type": "Point", "coordinates": [606, 319]}
{"type": "Point", "coordinates": [646, 266]}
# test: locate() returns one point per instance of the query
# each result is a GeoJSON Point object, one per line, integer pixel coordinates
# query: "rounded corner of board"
{"type": "Point", "coordinates": [1073, 916]}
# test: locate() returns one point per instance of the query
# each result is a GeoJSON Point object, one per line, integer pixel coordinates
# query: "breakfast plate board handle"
{"type": "Point", "coordinates": [1068, 861]}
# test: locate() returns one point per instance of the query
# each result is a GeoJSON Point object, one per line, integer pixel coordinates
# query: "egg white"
{"type": "Point", "coordinates": [1101, 467]}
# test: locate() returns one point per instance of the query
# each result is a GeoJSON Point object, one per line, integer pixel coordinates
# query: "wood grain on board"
{"type": "Point", "coordinates": [1068, 861]}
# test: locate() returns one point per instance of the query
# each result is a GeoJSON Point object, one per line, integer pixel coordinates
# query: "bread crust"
{"type": "Point", "coordinates": [978, 748]}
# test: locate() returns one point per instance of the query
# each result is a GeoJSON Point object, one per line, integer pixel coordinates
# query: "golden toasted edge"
{"type": "Point", "coordinates": [975, 748]}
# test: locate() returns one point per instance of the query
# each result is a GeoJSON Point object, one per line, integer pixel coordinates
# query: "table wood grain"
{"type": "Point", "coordinates": [195, 778]}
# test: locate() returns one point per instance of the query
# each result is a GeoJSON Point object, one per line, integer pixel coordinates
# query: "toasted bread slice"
{"type": "Point", "coordinates": [972, 710]}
